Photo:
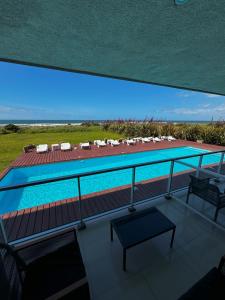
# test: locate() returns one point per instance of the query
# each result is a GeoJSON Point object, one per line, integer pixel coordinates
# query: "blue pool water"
{"type": "Point", "coordinates": [47, 193]}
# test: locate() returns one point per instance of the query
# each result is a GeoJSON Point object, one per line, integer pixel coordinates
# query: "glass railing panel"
{"type": "Point", "coordinates": [151, 180]}
{"type": "Point", "coordinates": [106, 191]}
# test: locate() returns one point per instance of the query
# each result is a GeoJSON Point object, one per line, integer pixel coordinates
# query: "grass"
{"type": "Point", "coordinates": [11, 145]}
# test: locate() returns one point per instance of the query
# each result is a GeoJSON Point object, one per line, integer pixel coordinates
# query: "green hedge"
{"type": "Point", "coordinates": [209, 133]}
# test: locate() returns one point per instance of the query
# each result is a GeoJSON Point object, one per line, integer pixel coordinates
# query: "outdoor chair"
{"type": "Point", "coordinates": [209, 287]}
{"type": "Point", "coordinates": [202, 188]}
{"type": "Point", "coordinates": [65, 146]}
{"type": "Point", "coordinates": [42, 148]}
{"type": "Point", "coordinates": [28, 148]}
{"type": "Point", "coordinates": [48, 269]}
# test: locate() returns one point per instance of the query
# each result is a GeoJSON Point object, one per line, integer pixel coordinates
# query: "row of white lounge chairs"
{"type": "Point", "coordinates": [102, 143]}
{"type": "Point", "coordinates": [44, 147]}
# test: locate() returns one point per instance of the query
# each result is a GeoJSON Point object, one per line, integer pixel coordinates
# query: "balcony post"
{"type": "Point", "coordinates": [3, 232]}
{"type": "Point", "coordinates": [131, 207]}
{"type": "Point", "coordinates": [221, 163]}
{"type": "Point", "coordinates": [81, 225]}
{"type": "Point", "coordinates": [220, 166]}
{"type": "Point", "coordinates": [169, 185]}
{"type": "Point", "coordinates": [199, 165]}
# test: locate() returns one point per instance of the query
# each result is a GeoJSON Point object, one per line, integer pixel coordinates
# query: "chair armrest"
{"type": "Point", "coordinates": [222, 197]}
{"type": "Point", "coordinates": [34, 250]}
{"type": "Point", "coordinates": [221, 266]}
{"type": "Point", "coordinates": [13, 252]}
{"type": "Point", "coordinates": [43, 239]}
{"type": "Point", "coordinates": [199, 179]}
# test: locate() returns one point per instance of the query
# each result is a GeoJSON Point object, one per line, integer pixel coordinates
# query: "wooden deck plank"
{"type": "Point", "coordinates": [39, 219]}
{"type": "Point", "coordinates": [33, 158]}
{"type": "Point", "coordinates": [8, 220]}
{"type": "Point", "coordinates": [52, 215]}
{"type": "Point", "coordinates": [58, 213]}
{"type": "Point", "coordinates": [32, 221]}
{"type": "Point", "coordinates": [15, 231]}
{"type": "Point", "coordinates": [24, 223]}
{"type": "Point", "coordinates": [46, 217]}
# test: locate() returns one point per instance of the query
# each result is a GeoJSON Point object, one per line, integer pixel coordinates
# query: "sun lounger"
{"type": "Point", "coordinates": [65, 146]}
{"type": "Point", "coordinates": [42, 148]}
{"type": "Point", "coordinates": [85, 145]}
{"type": "Point", "coordinates": [101, 144]}
{"type": "Point", "coordinates": [115, 143]}
{"type": "Point", "coordinates": [96, 142]}
{"type": "Point", "coordinates": [156, 139]}
{"type": "Point", "coordinates": [171, 138]}
{"type": "Point", "coordinates": [137, 139]}
{"type": "Point", "coordinates": [130, 142]}
{"type": "Point", "coordinates": [145, 140]}
{"type": "Point", "coordinates": [110, 141]}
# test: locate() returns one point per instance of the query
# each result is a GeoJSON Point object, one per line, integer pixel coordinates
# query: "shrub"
{"type": "Point", "coordinates": [12, 128]}
{"type": "Point", "coordinates": [210, 133]}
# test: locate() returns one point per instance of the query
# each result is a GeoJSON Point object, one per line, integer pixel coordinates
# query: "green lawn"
{"type": "Point", "coordinates": [11, 145]}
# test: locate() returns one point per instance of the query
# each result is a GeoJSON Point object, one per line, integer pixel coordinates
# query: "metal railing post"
{"type": "Point", "coordinates": [3, 232]}
{"type": "Point", "coordinates": [221, 163]}
{"type": "Point", "coordinates": [82, 225]}
{"type": "Point", "coordinates": [168, 195]}
{"type": "Point", "coordinates": [131, 207]}
{"type": "Point", "coordinates": [220, 166]}
{"type": "Point", "coordinates": [199, 165]}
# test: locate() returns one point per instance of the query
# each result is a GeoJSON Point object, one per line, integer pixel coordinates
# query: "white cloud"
{"type": "Point", "coordinates": [213, 96]}
{"type": "Point", "coordinates": [189, 94]}
{"type": "Point", "coordinates": [11, 109]}
{"type": "Point", "coordinates": [185, 94]}
{"type": "Point", "coordinates": [29, 112]}
{"type": "Point", "coordinates": [205, 109]}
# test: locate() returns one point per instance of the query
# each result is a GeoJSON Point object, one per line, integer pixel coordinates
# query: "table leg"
{"type": "Point", "coordinates": [111, 232]}
{"type": "Point", "coordinates": [172, 239]}
{"type": "Point", "coordinates": [124, 259]}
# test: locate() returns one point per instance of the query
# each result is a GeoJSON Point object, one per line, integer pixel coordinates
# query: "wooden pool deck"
{"type": "Point", "coordinates": [26, 222]}
{"type": "Point", "coordinates": [32, 158]}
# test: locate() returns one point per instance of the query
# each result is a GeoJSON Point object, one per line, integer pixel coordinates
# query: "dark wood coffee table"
{"type": "Point", "coordinates": [139, 227]}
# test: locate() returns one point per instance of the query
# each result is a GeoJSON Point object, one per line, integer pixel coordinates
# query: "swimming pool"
{"type": "Point", "coordinates": [46, 193]}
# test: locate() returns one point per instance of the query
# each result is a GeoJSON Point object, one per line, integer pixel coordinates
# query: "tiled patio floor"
{"type": "Point", "coordinates": [154, 271]}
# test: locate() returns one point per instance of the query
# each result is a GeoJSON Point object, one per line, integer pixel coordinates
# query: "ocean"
{"type": "Point", "coordinates": [44, 122]}
{"type": "Point", "coordinates": [73, 122]}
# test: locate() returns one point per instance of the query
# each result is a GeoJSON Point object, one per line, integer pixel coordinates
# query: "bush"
{"type": "Point", "coordinates": [11, 128]}
{"type": "Point", "coordinates": [209, 133]}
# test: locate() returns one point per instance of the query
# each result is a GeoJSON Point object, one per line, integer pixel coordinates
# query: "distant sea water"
{"type": "Point", "coordinates": [44, 122]}
{"type": "Point", "coordinates": [74, 122]}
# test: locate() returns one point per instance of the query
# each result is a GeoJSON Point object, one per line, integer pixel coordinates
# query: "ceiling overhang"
{"type": "Point", "coordinates": [152, 41]}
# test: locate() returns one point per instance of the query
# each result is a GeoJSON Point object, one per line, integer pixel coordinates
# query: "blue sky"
{"type": "Point", "coordinates": [36, 93]}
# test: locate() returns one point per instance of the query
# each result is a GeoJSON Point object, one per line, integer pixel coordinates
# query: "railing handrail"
{"type": "Point", "coordinates": [67, 177]}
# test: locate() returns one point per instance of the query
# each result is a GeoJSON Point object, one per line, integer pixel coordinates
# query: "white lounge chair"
{"type": "Point", "coordinates": [171, 138]}
{"type": "Point", "coordinates": [137, 139]}
{"type": "Point", "coordinates": [65, 146]}
{"type": "Point", "coordinates": [85, 145]}
{"type": "Point", "coordinates": [96, 142]}
{"type": "Point", "coordinates": [110, 141]}
{"type": "Point", "coordinates": [130, 142]}
{"type": "Point", "coordinates": [115, 143]}
{"type": "Point", "coordinates": [145, 140]}
{"type": "Point", "coordinates": [101, 144]}
{"type": "Point", "coordinates": [42, 148]}
{"type": "Point", "coordinates": [156, 139]}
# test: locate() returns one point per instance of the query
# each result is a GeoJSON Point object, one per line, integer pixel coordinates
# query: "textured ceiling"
{"type": "Point", "coordinates": [146, 40]}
